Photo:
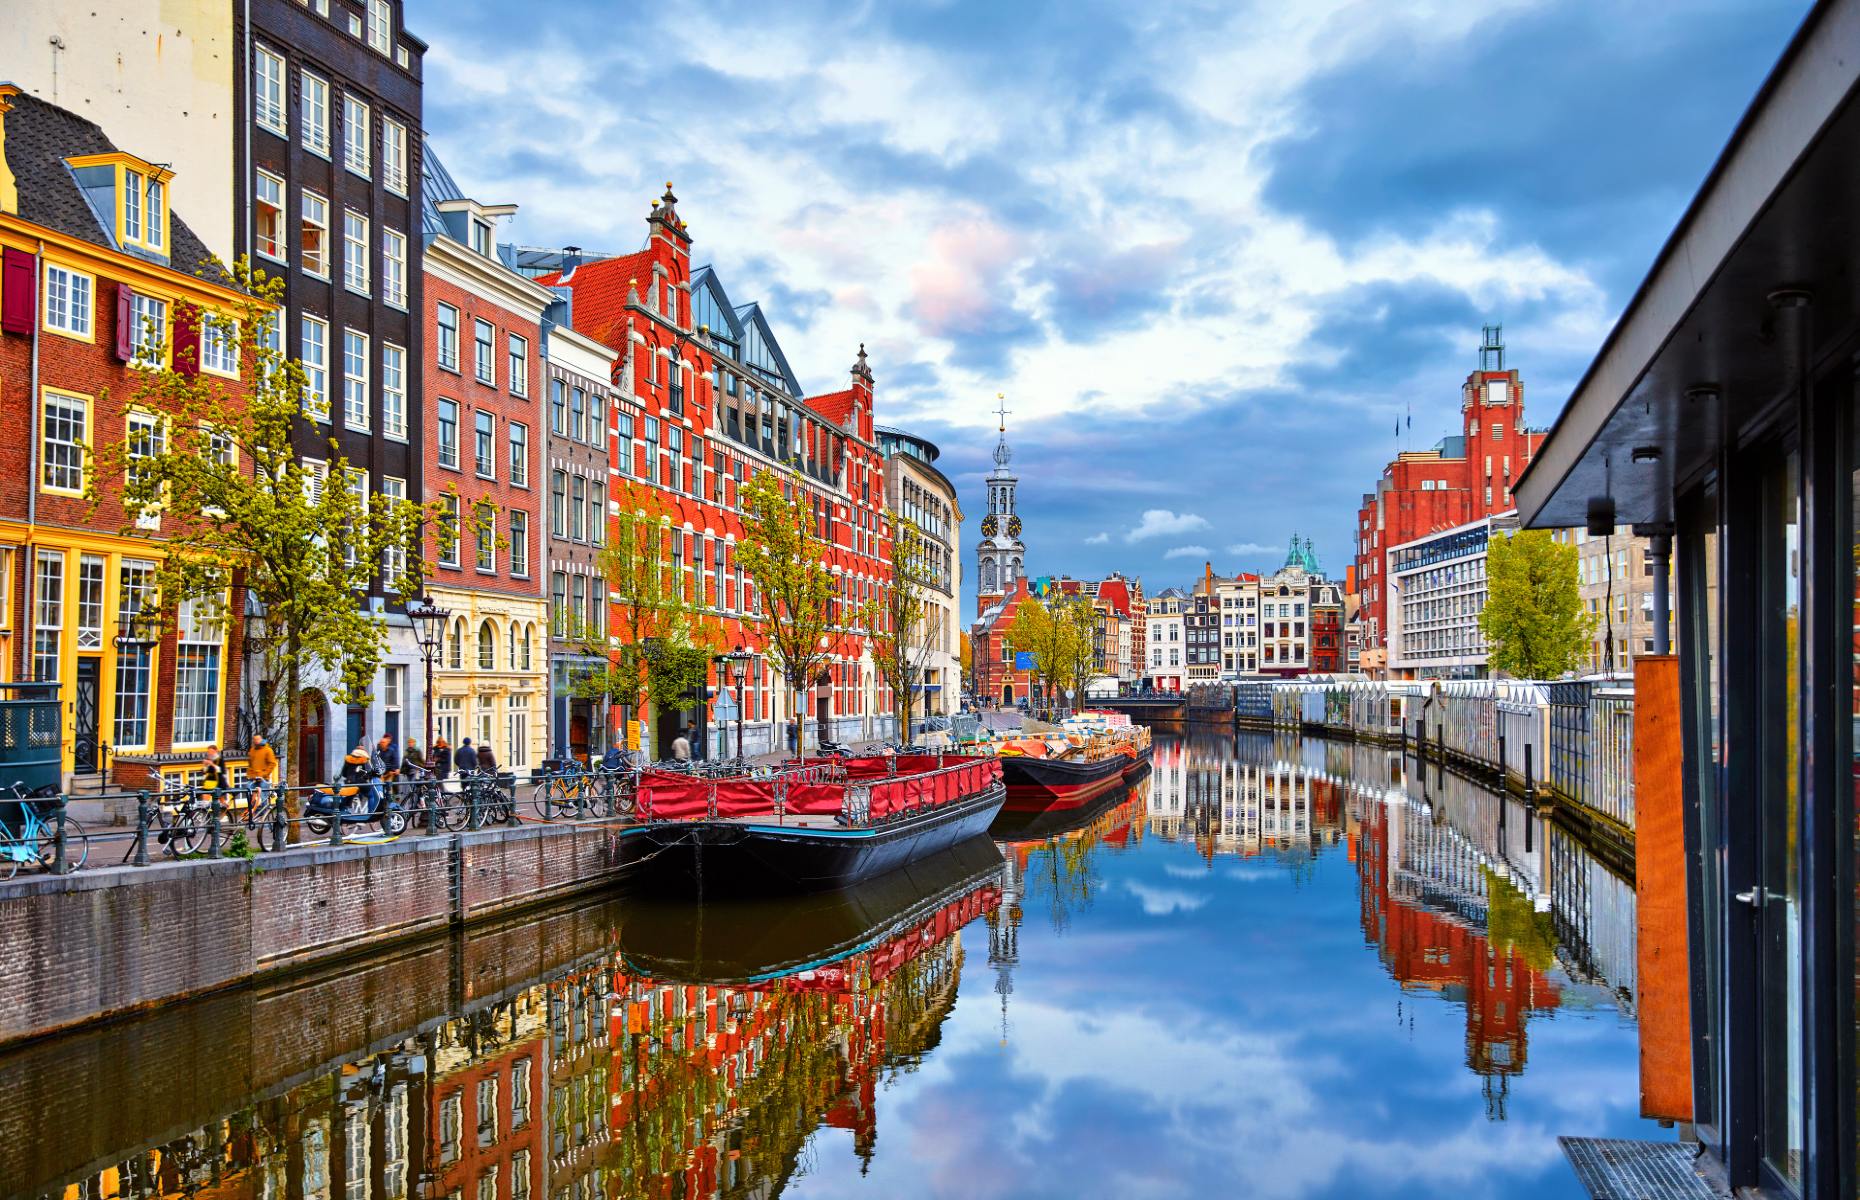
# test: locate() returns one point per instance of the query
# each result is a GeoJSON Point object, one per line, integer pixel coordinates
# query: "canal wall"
{"type": "Point", "coordinates": [191, 1063]}
{"type": "Point", "coordinates": [102, 943]}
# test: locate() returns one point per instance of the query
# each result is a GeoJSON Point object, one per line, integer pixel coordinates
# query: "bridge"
{"type": "Point", "coordinates": [1146, 708]}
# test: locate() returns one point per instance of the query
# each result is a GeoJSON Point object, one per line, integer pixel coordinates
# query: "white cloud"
{"type": "Point", "coordinates": [1097, 539]}
{"type": "Point", "coordinates": [1160, 522]}
{"type": "Point", "coordinates": [1186, 552]}
{"type": "Point", "coordinates": [1160, 902]}
{"type": "Point", "coordinates": [1252, 548]}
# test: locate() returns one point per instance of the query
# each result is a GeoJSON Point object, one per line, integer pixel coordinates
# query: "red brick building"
{"type": "Point", "coordinates": [998, 678]}
{"type": "Point", "coordinates": [718, 402]}
{"type": "Point", "coordinates": [1463, 478]}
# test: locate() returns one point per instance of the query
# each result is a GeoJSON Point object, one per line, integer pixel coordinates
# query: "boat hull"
{"type": "Point", "coordinates": [702, 858]}
{"type": "Point", "coordinates": [1037, 785]}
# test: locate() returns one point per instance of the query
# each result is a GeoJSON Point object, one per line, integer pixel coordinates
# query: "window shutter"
{"type": "Point", "coordinates": [19, 300]}
{"type": "Point", "coordinates": [187, 340]}
{"type": "Point", "coordinates": [125, 323]}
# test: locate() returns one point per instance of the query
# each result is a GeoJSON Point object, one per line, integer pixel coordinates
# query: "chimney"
{"type": "Point", "coordinates": [571, 258]}
{"type": "Point", "coordinates": [9, 187]}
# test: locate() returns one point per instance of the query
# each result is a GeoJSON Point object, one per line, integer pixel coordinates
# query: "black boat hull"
{"type": "Point", "coordinates": [1037, 785]}
{"type": "Point", "coordinates": [1038, 824]}
{"type": "Point", "coordinates": [701, 858]}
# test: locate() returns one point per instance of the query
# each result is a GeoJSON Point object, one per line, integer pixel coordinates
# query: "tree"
{"type": "Point", "coordinates": [239, 508]}
{"type": "Point", "coordinates": [784, 556]}
{"type": "Point", "coordinates": [966, 651]}
{"type": "Point", "coordinates": [664, 640]}
{"type": "Point", "coordinates": [1058, 634]}
{"type": "Point", "coordinates": [1534, 623]}
{"type": "Point", "coordinates": [905, 625]}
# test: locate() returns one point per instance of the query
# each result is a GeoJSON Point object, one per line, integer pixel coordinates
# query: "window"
{"type": "Point", "coordinates": [519, 436]}
{"type": "Point", "coordinates": [481, 237]}
{"type": "Point", "coordinates": [148, 330]}
{"type": "Point", "coordinates": [68, 300]}
{"type": "Point", "coordinates": [487, 661]}
{"type": "Point", "coordinates": [393, 558]}
{"type": "Point", "coordinates": [448, 337]}
{"type": "Point", "coordinates": [63, 438]}
{"type": "Point", "coordinates": [393, 391]}
{"type": "Point", "coordinates": [558, 407]}
{"type": "Point", "coordinates": [380, 26]}
{"type": "Point", "coordinates": [484, 536]}
{"type": "Point", "coordinates": [449, 533]}
{"type": "Point", "coordinates": [358, 488]}
{"type": "Point", "coordinates": [597, 419]}
{"type": "Point", "coordinates": [144, 196]}
{"type": "Point", "coordinates": [455, 659]}
{"type": "Point", "coordinates": [354, 251]}
{"type": "Point", "coordinates": [313, 234]}
{"type": "Point", "coordinates": [219, 346]}
{"type": "Point", "coordinates": [577, 528]}
{"type": "Point", "coordinates": [519, 365]}
{"type": "Point", "coordinates": [517, 727]}
{"type": "Point", "coordinates": [485, 444]}
{"type": "Point", "coordinates": [484, 339]}
{"type": "Point", "coordinates": [268, 216]}
{"type": "Point", "coordinates": [558, 592]}
{"type": "Point", "coordinates": [449, 434]}
{"type": "Point", "coordinates": [315, 358]}
{"type": "Point", "coordinates": [558, 492]}
{"type": "Point", "coordinates": [394, 156]}
{"type": "Point", "coordinates": [597, 512]}
{"type": "Point", "coordinates": [578, 603]}
{"type": "Point", "coordinates": [355, 135]}
{"type": "Point", "coordinates": [134, 678]}
{"type": "Point", "coordinates": [577, 414]}
{"type": "Point", "coordinates": [1498, 431]}
{"type": "Point", "coordinates": [394, 267]}
{"type": "Point", "coordinates": [315, 113]}
{"type": "Point", "coordinates": [143, 441]}
{"type": "Point", "coordinates": [355, 379]}
{"type": "Point", "coordinates": [519, 544]}
{"type": "Point", "coordinates": [198, 626]}
{"type": "Point", "coordinates": [268, 91]}
{"type": "Point", "coordinates": [48, 616]}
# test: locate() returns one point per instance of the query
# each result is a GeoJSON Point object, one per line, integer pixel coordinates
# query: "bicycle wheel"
{"type": "Point", "coordinates": [189, 832]}
{"type": "Point", "coordinates": [77, 846]}
{"type": "Point", "coordinates": [549, 800]}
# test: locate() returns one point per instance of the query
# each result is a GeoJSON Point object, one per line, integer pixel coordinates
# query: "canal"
{"type": "Point", "coordinates": [1273, 968]}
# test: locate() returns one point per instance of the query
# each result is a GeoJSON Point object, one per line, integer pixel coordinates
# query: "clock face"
{"type": "Point", "coordinates": [989, 525]}
{"type": "Point", "coordinates": [1014, 527]}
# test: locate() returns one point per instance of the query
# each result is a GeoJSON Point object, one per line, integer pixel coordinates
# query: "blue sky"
{"type": "Point", "coordinates": [1207, 250]}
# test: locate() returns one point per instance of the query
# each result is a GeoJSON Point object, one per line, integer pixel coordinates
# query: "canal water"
{"type": "Point", "coordinates": [1275, 968]}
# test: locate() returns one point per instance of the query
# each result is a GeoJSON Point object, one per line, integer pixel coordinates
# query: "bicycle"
{"type": "Point", "coordinates": [37, 838]}
{"type": "Point", "coordinates": [560, 790]}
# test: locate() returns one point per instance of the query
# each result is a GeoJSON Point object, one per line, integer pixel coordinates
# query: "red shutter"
{"type": "Point", "coordinates": [125, 342]}
{"type": "Point", "coordinates": [186, 340]}
{"type": "Point", "coordinates": [19, 299]}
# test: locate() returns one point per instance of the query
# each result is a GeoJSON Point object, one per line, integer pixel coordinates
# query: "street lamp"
{"type": "Point", "coordinates": [739, 669]}
{"type": "Point", "coordinates": [429, 622]}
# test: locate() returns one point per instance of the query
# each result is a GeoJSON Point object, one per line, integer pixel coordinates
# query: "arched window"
{"type": "Point", "coordinates": [516, 663]}
{"type": "Point", "coordinates": [529, 633]}
{"type": "Point", "coordinates": [455, 650]}
{"type": "Point", "coordinates": [487, 647]}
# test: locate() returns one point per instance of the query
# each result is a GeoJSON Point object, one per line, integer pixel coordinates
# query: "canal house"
{"type": "Point", "coordinates": [1721, 418]}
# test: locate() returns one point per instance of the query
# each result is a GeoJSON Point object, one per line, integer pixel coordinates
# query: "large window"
{"type": "Point", "coordinates": [48, 614]}
{"type": "Point", "coordinates": [558, 407]}
{"type": "Point", "coordinates": [143, 441]}
{"type": "Point", "coordinates": [484, 342]}
{"type": "Point", "coordinates": [133, 664]}
{"type": "Point", "coordinates": [597, 512]}
{"type": "Point", "coordinates": [448, 337]}
{"type": "Point", "coordinates": [519, 365]}
{"type": "Point", "coordinates": [68, 300]}
{"type": "Point", "coordinates": [62, 446]}
{"type": "Point", "coordinates": [315, 113]}
{"type": "Point", "coordinates": [268, 91]}
{"type": "Point", "coordinates": [354, 251]}
{"type": "Point", "coordinates": [517, 721]}
{"type": "Point", "coordinates": [449, 433]}
{"type": "Point", "coordinates": [315, 358]}
{"type": "Point", "coordinates": [355, 379]}
{"type": "Point", "coordinates": [393, 391]}
{"type": "Point", "coordinates": [394, 156]}
{"type": "Point", "coordinates": [487, 647]}
{"type": "Point", "coordinates": [148, 330]}
{"type": "Point", "coordinates": [519, 543]}
{"type": "Point", "coordinates": [219, 347]}
{"type": "Point", "coordinates": [313, 234]}
{"type": "Point", "coordinates": [198, 634]}
{"type": "Point", "coordinates": [355, 133]}
{"type": "Point", "coordinates": [380, 26]}
{"type": "Point", "coordinates": [394, 267]}
{"type": "Point", "coordinates": [484, 534]}
{"type": "Point", "coordinates": [394, 557]}
{"type": "Point", "coordinates": [558, 501]}
{"type": "Point", "coordinates": [597, 419]}
{"type": "Point", "coordinates": [519, 436]}
{"type": "Point", "coordinates": [449, 530]}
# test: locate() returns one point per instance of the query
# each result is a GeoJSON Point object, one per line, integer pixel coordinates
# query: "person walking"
{"type": "Point", "coordinates": [487, 761]}
{"type": "Point", "coordinates": [261, 765]}
{"type": "Point", "coordinates": [465, 758]}
{"type": "Point", "coordinates": [213, 771]}
{"type": "Point", "coordinates": [681, 747]}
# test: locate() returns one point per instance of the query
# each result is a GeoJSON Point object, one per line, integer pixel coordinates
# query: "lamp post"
{"type": "Point", "coordinates": [739, 669]}
{"type": "Point", "coordinates": [429, 622]}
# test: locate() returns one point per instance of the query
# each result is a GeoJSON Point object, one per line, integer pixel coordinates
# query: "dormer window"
{"type": "Point", "coordinates": [130, 193]}
{"type": "Point", "coordinates": [481, 237]}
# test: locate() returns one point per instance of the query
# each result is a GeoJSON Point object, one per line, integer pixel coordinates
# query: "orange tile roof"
{"type": "Point", "coordinates": [600, 288]}
{"type": "Point", "coordinates": [834, 406]}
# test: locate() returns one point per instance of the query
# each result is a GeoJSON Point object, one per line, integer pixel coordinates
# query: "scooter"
{"type": "Point", "coordinates": [352, 804]}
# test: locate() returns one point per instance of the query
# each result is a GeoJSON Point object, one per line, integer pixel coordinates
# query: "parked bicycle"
{"type": "Point", "coordinates": [29, 833]}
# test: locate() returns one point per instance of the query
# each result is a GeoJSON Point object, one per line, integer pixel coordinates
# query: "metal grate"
{"type": "Point", "coordinates": [1621, 1169]}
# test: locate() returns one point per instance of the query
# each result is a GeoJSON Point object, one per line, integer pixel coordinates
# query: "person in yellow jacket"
{"type": "Point", "coordinates": [261, 764]}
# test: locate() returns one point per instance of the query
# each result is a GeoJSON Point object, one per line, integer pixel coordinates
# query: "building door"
{"type": "Point", "coordinates": [1772, 892]}
{"type": "Point", "coordinates": [310, 737]}
{"type": "Point", "coordinates": [84, 757]}
{"type": "Point", "coordinates": [357, 731]}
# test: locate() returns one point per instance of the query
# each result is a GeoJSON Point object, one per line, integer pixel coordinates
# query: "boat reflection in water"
{"type": "Point", "coordinates": [1272, 967]}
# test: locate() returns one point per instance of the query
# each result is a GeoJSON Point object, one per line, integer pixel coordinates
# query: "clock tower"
{"type": "Point", "coordinates": [1000, 555]}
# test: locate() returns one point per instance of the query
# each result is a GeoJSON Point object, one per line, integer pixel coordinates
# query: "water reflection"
{"type": "Point", "coordinates": [1274, 967]}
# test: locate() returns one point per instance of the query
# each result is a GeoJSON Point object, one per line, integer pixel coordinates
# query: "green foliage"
{"type": "Point", "coordinates": [784, 556]}
{"type": "Point", "coordinates": [1058, 633]}
{"type": "Point", "coordinates": [240, 507]}
{"type": "Point", "coordinates": [903, 622]}
{"type": "Point", "coordinates": [1534, 622]}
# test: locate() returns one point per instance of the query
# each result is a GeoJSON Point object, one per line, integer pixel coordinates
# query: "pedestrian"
{"type": "Point", "coordinates": [213, 771]}
{"type": "Point", "coordinates": [442, 757]}
{"type": "Point", "coordinates": [487, 761]}
{"type": "Point", "coordinates": [383, 760]}
{"type": "Point", "coordinates": [681, 747]}
{"type": "Point", "coordinates": [465, 758]}
{"type": "Point", "coordinates": [411, 760]}
{"type": "Point", "coordinates": [261, 765]}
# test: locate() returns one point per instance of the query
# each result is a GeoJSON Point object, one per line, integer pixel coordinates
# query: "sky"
{"type": "Point", "coordinates": [1209, 252]}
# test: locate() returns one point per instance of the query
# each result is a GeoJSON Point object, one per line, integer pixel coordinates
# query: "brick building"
{"type": "Point", "coordinates": [1000, 676]}
{"type": "Point", "coordinates": [483, 449]}
{"type": "Point", "coordinates": [86, 301]}
{"type": "Point", "coordinates": [1163, 625]}
{"type": "Point", "coordinates": [709, 399]}
{"type": "Point", "coordinates": [1462, 479]}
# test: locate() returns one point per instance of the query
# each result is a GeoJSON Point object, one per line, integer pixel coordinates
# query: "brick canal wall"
{"type": "Point", "coordinates": [97, 944]}
{"type": "Point", "coordinates": [193, 1063]}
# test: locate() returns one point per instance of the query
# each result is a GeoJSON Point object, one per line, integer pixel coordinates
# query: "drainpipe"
{"type": "Point", "coordinates": [1662, 547]}
{"type": "Point", "coordinates": [22, 638]}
